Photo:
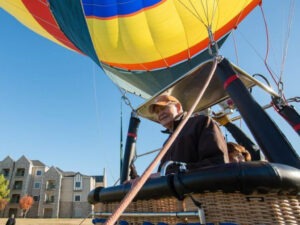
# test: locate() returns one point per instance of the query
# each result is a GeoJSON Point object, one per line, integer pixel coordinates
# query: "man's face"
{"type": "Point", "coordinates": [166, 114]}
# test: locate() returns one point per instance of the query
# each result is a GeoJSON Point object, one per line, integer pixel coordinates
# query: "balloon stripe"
{"type": "Point", "coordinates": [43, 16]}
{"type": "Point", "coordinates": [120, 8]}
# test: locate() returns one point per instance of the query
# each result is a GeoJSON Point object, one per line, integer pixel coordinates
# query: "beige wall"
{"type": "Point", "coordinates": [68, 193]}
{"type": "Point", "coordinates": [67, 189]}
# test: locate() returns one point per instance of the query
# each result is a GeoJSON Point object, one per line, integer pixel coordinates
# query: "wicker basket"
{"type": "Point", "coordinates": [270, 208]}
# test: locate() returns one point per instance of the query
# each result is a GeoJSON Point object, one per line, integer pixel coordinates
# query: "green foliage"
{"type": "Point", "coordinates": [4, 192]}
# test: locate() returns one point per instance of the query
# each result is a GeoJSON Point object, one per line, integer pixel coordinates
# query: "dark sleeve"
{"type": "Point", "coordinates": [242, 139]}
{"type": "Point", "coordinates": [211, 145]}
{"type": "Point", "coordinates": [133, 173]}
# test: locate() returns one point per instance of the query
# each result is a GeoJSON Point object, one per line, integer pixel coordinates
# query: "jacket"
{"type": "Point", "coordinates": [200, 143]}
{"type": "Point", "coordinates": [11, 221]}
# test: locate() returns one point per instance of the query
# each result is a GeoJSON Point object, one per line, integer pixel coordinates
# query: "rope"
{"type": "Point", "coordinates": [139, 182]}
{"type": "Point", "coordinates": [235, 48]}
{"type": "Point", "coordinates": [121, 138]}
{"type": "Point", "coordinates": [148, 153]}
{"type": "Point", "coordinates": [291, 14]}
{"type": "Point", "coordinates": [268, 46]}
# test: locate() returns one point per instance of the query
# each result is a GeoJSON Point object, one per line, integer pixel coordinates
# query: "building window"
{"type": "Point", "coordinates": [49, 199]}
{"type": "Point", "coordinates": [20, 172]}
{"type": "Point", "coordinates": [36, 198]}
{"type": "Point", "coordinates": [5, 172]}
{"type": "Point", "coordinates": [77, 184]}
{"type": "Point", "coordinates": [50, 185]}
{"type": "Point", "coordinates": [15, 198]}
{"type": "Point", "coordinates": [77, 198]}
{"type": "Point", "coordinates": [37, 185]}
{"type": "Point", "coordinates": [39, 173]}
{"type": "Point", "coordinates": [18, 185]}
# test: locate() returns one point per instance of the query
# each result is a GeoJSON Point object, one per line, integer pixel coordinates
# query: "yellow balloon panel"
{"type": "Point", "coordinates": [164, 35]}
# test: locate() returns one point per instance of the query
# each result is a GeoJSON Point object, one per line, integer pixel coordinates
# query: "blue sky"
{"type": "Point", "coordinates": [58, 107]}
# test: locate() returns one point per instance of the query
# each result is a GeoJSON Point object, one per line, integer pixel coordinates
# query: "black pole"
{"type": "Point", "coordinates": [271, 140]}
{"type": "Point", "coordinates": [130, 146]}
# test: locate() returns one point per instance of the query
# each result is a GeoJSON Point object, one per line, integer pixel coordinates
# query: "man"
{"type": "Point", "coordinates": [11, 220]}
{"type": "Point", "coordinates": [200, 143]}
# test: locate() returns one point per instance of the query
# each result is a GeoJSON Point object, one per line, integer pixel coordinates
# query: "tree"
{"type": "Point", "coordinates": [25, 204]}
{"type": "Point", "coordinates": [4, 192]}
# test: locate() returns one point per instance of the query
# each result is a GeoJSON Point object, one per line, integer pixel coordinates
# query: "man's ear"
{"type": "Point", "coordinates": [178, 107]}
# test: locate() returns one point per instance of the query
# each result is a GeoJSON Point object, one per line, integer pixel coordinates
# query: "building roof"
{"type": "Point", "coordinates": [37, 163]}
{"type": "Point", "coordinates": [68, 174]}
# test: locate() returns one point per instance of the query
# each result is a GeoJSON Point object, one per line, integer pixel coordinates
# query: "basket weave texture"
{"type": "Point", "coordinates": [269, 208]}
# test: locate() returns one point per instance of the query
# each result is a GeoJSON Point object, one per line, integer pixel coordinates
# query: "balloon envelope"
{"type": "Point", "coordinates": [142, 45]}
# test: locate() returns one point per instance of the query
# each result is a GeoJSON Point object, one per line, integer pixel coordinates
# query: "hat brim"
{"type": "Point", "coordinates": [152, 106]}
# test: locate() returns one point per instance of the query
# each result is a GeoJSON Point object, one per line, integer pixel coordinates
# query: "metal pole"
{"type": "Point", "coordinates": [153, 214]}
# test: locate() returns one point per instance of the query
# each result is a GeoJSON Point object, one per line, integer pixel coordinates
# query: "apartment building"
{"type": "Point", "coordinates": [56, 193]}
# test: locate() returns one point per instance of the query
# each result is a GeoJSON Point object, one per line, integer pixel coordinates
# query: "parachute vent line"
{"type": "Point", "coordinates": [291, 15]}
{"type": "Point", "coordinates": [234, 41]}
{"type": "Point", "coordinates": [235, 48]}
{"type": "Point", "coordinates": [34, 26]}
{"type": "Point", "coordinates": [44, 2]}
{"type": "Point", "coordinates": [34, 15]}
{"type": "Point", "coordinates": [195, 13]}
{"type": "Point", "coordinates": [278, 83]}
{"type": "Point", "coordinates": [213, 48]}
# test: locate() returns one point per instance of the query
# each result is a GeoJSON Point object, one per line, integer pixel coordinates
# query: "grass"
{"type": "Point", "coordinates": [29, 221]}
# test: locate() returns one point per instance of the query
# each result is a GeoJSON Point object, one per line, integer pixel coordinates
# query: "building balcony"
{"type": "Point", "coordinates": [19, 175]}
{"type": "Point", "coordinates": [17, 188]}
{"type": "Point", "coordinates": [48, 202]}
{"type": "Point", "coordinates": [50, 188]}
